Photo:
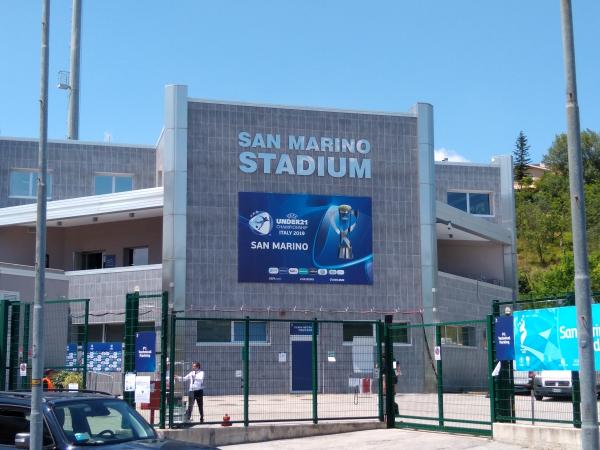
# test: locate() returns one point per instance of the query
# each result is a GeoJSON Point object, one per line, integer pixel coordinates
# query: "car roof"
{"type": "Point", "coordinates": [24, 397]}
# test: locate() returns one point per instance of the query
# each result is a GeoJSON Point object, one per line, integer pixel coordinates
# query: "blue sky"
{"type": "Point", "coordinates": [490, 68]}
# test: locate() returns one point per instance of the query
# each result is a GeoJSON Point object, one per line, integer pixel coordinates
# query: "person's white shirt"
{"type": "Point", "coordinates": [196, 379]}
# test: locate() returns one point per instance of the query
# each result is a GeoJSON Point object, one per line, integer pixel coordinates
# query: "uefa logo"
{"type": "Point", "coordinates": [261, 223]}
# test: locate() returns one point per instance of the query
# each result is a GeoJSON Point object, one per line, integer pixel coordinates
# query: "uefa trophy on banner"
{"type": "Point", "coordinates": [346, 225]}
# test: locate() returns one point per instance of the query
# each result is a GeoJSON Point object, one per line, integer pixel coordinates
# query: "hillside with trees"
{"type": "Point", "coordinates": [544, 239]}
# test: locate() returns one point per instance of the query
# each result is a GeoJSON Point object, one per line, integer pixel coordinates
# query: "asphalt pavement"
{"type": "Point", "coordinates": [383, 439]}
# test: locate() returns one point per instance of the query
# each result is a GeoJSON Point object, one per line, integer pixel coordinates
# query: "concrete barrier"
{"type": "Point", "coordinates": [216, 435]}
{"type": "Point", "coordinates": [538, 437]}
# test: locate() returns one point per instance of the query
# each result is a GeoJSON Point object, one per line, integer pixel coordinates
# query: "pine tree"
{"type": "Point", "coordinates": [521, 157]}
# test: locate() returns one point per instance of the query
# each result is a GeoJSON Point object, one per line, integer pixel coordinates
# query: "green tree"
{"type": "Point", "coordinates": [521, 157]}
{"type": "Point", "coordinates": [557, 158]}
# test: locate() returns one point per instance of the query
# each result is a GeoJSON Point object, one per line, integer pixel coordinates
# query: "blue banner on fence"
{"type": "Point", "coordinates": [71, 359]}
{"type": "Point", "coordinates": [503, 334]}
{"type": "Point", "coordinates": [105, 356]}
{"type": "Point", "coordinates": [285, 238]}
{"type": "Point", "coordinates": [145, 351]}
{"type": "Point", "coordinates": [546, 339]}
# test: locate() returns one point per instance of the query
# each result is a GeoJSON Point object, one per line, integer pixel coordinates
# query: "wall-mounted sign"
{"type": "Point", "coordinates": [302, 329]}
{"type": "Point", "coordinates": [285, 238]}
{"type": "Point", "coordinates": [308, 155]}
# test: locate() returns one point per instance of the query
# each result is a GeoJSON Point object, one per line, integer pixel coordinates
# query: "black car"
{"type": "Point", "coordinates": [78, 419]}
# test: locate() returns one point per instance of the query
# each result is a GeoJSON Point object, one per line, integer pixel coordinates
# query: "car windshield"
{"type": "Point", "coordinates": [100, 421]}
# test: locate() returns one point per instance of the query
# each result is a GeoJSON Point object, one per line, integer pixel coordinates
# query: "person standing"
{"type": "Point", "coordinates": [196, 390]}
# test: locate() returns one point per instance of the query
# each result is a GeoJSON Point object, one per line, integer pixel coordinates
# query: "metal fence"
{"type": "Point", "coordinates": [516, 398]}
{"type": "Point", "coordinates": [65, 339]}
{"type": "Point", "coordinates": [443, 376]}
{"type": "Point", "coordinates": [274, 370]}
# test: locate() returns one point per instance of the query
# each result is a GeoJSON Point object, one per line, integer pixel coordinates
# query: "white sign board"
{"type": "Point", "coordinates": [129, 382]}
{"type": "Point", "coordinates": [282, 357]}
{"type": "Point", "coordinates": [437, 351]}
{"type": "Point", "coordinates": [23, 369]}
{"type": "Point", "coordinates": [73, 386]}
{"type": "Point", "coordinates": [142, 389]}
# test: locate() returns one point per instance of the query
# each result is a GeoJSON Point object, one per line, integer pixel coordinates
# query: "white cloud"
{"type": "Point", "coordinates": [441, 153]}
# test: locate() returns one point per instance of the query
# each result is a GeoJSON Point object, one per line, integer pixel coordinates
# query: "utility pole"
{"type": "Point", "coordinates": [73, 120]}
{"type": "Point", "coordinates": [583, 297]}
{"type": "Point", "coordinates": [37, 349]}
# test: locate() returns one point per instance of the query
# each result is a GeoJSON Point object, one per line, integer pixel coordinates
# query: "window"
{"type": "Point", "coordinates": [135, 256]}
{"type": "Point", "coordinates": [472, 202]}
{"type": "Point", "coordinates": [401, 335]}
{"type": "Point", "coordinates": [23, 184]}
{"type": "Point", "coordinates": [15, 420]}
{"type": "Point", "coordinates": [226, 331]}
{"type": "Point", "coordinates": [356, 329]}
{"type": "Point", "coordinates": [107, 183]}
{"type": "Point", "coordinates": [213, 331]}
{"type": "Point", "coordinates": [88, 260]}
{"type": "Point", "coordinates": [456, 335]}
{"type": "Point", "coordinates": [258, 331]}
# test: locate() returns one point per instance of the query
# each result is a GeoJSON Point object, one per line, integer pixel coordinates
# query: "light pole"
{"type": "Point", "coordinates": [37, 349]}
{"type": "Point", "coordinates": [583, 298]}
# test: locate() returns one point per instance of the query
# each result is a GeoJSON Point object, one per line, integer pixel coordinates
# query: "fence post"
{"type": "Point", "coordinates": [132, 305]}
{"type": "Point", "coordinates": [172, 369]}
{"type": "Point", "coordinates": [86, 325]}
{"type": "Point", "coordinates": [25, 356]}
{"type": "Point", "coordinates": [378, 337]}
{"type": "Point", "coordinates": [503, 384]}
{"type": "Point", "coordinates": [439, 376]}
{"type": "Point", "coordinates": [164, 324]}
{"type": "Point", "coordinates": [246, 368]}
{"type": "Point", "coordinates": [315, 375]}
{"type": "Point", "coordinates": [13, 356]}
{"type": "Point", "coordinates": [576, 397]}
{"type": "Point", "coordinates": [4, 304]}
{"type": "Point", "coordinates": [387, 367]}
{"type": "Point", "coordinates": [490, 346]}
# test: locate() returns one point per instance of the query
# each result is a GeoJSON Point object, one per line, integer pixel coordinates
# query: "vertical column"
{"type": "Point", "coordinates": [246, 367]}
{"type": "Point", "coordinates": [164, 325]}
{"type": "Point", "coordinates": [175, 193]}
{"type": "Point", "coordinates": [507, 212]}
{"type": "Point", "coordinates": [315, 375]}
{"type": "Point", "coordinates": [427, 214]}
{"type": "Point", "coordinates": [4, 305]}
{"type": "Point", "coordinates": [132, 305]}
{"type": "Point", "coordinates": [13, 358]}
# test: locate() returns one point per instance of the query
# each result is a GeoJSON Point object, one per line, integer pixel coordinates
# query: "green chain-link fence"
{"type": "Point", "coordinates": [443, 376]}
{"type": "Point", "coordinates": [518, 394]}
{"type": "Point", "coordinates": [272, 370]}
{"type": "Point", "coordinates": [65, 342]}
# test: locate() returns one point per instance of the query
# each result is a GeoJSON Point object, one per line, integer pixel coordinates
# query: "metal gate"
{"type": "Point", "coordinates": [444, 378]}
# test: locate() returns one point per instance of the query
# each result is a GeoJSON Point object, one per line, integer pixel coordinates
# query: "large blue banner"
{"type": "Point", "coordinates": [546, 339]}
{"type": "Point", "coordinates": [285, 238]}
{"type": "Point", "coordinates": [105, 356]}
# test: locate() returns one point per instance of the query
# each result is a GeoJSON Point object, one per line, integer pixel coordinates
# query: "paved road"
{"type": "Point", "coordinates": [381, 440]}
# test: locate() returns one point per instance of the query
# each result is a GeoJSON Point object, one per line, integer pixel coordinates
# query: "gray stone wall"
{"type": "Point", "coordinates": [74, 164]}
{"type": "Point", "coordinates": [106, 289]}
{"type": "Point", "coordinates": [469, 177]}
{"type": "Point", "coordinates": [214, 180]}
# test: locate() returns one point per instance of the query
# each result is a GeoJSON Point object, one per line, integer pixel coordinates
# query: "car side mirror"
{"type": "Point", "coordinates": [22, 440]}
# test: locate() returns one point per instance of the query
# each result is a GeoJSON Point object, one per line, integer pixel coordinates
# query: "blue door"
{"type": "Point", "coordinates": [301, 366]}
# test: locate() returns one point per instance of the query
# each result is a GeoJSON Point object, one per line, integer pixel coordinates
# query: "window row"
{"type": "Point", "coordinates": [458, 335]}
{"type": "Point", "coordinates": [232, 331]}
{"type": "Point", "coordinates": [23, 183]}
{"type": "Point", "coordinates": [477, 203]}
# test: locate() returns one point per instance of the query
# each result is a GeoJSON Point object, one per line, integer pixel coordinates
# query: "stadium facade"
{"type": "Point", "coordinates": [269, 212]}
